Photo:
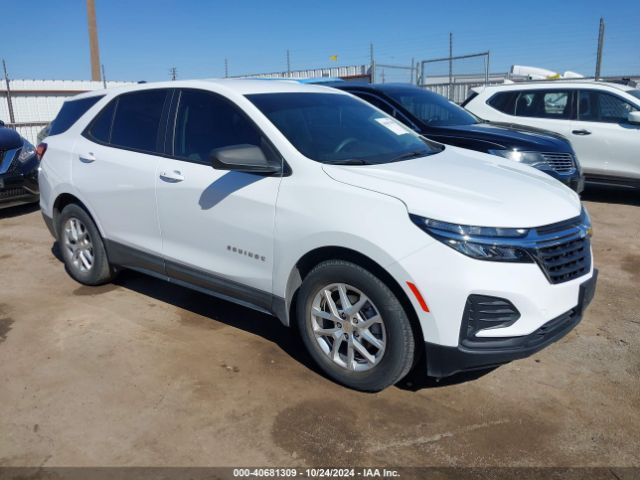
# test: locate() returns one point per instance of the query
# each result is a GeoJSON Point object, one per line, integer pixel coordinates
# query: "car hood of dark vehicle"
{"type": "Point", "coordinates": [9, 139]}
{"type": "Point", "coordinates": [505, 136]}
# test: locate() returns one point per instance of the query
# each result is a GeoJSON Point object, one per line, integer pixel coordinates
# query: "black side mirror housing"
{"type": "Point", "coordinates": [242, 158]}
{"type": "Point", "coordinates": [1, 123]}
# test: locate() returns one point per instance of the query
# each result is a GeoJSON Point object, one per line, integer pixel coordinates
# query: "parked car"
{"type": "Point", "coordinates": [439, 119]}
{"type": "Point", "coordinates": [18, 169]}
{"type": "Point", "coordinates": [304, 202]}
{"type": "Point", "coordinates": [601, 119]}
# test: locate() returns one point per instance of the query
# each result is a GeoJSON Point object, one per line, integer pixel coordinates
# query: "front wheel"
{"type": "Point", "coordinates": [354, 326]}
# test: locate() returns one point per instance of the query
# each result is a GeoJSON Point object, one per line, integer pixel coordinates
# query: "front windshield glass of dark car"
{"type": "Point", "coordinates": [433, 109]}
{"type": "Point", "coordinates": [338, 128]}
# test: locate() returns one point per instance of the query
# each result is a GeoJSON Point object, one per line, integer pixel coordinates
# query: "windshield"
{"type": "Point", "coordinates": [433, 109]}
{"type": "Point", "coordinates": [635, 93]}
{"type": "Point", "coordinates": [337, 128]}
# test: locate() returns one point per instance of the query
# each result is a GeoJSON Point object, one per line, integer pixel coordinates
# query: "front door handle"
{"type": "Point", "coordinates": [88, 158]}
{"type": "Point", "coordinates": [174, 176]}
{"type": "Point", "coordinates": [581, 132]}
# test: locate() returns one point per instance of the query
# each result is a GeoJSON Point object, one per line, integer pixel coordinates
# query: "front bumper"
{"type": "Point", "coordinates": [575, 180]}
{"type": "Point", "coordinates": [19, 184]}
{"type": "Point", "coordinates": [443, 361]}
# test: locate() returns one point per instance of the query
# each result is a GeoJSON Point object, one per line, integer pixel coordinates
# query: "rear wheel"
{"type": "Point", "coordinates": [82, 247]}
{"type": "Point", "coordinates": [354, 326]}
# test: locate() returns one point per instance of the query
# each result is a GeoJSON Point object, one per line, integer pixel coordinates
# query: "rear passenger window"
{"type": "Point", "coordinates": [534, 103]}
{"type": "Point", "coordinates": [70, 112]}
{"type": "Point", "coordinates": [137, 120]}
{"type": "Point", "coordinates": [544, 104]}
{"type": "Point", "coordinates": [206, 122]}
{"type": "Point", "coordinates": [100, 127]}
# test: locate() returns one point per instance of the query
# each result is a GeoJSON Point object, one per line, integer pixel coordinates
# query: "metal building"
{"type": "Point", "coordinates": [34, 103]}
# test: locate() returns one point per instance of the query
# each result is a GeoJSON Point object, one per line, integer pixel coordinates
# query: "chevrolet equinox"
{"type": "Point", "coordinates": [383, 248]}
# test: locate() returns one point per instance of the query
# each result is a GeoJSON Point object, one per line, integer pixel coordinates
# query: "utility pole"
{"type": "Point", "coordinates": [93, 40]}
{"type": "Point", "coordinates": [173, 73]}
{"type": "Point", "coordinates": [600, 47]}
{"type": "Point", "coordinates": [12, 118]}
{"type": "Point", "coordinates": [449, 90]}
{"type": "Point", "coordinates": [288, 64]}
{"type": "Point", "coordinates": [104, 78]}
{"type": "Point", "coordinates": [372, 68]}
{"type": "Point", "coordinates": [226, 68]}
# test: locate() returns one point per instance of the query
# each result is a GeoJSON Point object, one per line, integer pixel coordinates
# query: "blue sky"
{"type": "Point", "coordinates": [143, 39]}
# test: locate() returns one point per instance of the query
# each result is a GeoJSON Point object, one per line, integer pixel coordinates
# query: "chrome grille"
{"type": "Point", "coordinates": [560, 162]}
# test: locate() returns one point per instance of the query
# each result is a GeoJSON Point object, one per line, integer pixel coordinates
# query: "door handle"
{"type": "Point", "coordinates": [174, 176]}
{"type": "Point", "coordinates": [581, 132]}
{"type": "Point", "coordinates": [88, 158]}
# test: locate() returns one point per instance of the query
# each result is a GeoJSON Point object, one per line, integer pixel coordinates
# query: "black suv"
{"type": "Point", "coordinates": [18, 169]}
{"type": "Point", "coordinates": [437, 118]}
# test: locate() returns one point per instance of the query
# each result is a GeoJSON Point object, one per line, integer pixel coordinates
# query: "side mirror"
{"type": "Point", "coordinates": [1, 123]}
{"type": "Point", "coordinates": [634, 117]}
{"type": "Point", "coordinates": [242, 158]}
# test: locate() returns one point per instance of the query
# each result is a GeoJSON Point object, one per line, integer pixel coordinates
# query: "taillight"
{"type": "Point", "coordinates": [40, 150]}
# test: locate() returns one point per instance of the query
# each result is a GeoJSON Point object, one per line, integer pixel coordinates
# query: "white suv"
{"type": "Point", "coordinates": [304, 202]}
{"type": "Point", "coordinates": [602, 120]}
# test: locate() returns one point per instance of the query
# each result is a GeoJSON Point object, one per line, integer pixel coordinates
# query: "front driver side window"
{"type": "Point", "coordinates": [205, 122]}
{"type": "Point", "coordinates": [602, 107]}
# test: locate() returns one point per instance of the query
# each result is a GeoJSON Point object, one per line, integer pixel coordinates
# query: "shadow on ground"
{"type": "Point", "coordinates": [617, 195]}
{"type": "Point", "coordinates": [251, 321]}
{"type": "Point", "coordinates": [19, 210]}
{"type": "Point", "coordinates": [217, 310]}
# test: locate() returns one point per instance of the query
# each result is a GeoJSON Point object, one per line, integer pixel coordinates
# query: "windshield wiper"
{"type": "Point", "coordinates": [410, 155]}
{"type": "Point", "coordinates": [347, 161]}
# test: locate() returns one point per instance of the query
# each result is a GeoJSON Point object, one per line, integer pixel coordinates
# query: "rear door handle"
{"type": "Point", "coordinates": [581, 132]}
{"type": "Point", "coordinates": [174, 176]}
{"type": "Point", "coordinates": [88, 158]}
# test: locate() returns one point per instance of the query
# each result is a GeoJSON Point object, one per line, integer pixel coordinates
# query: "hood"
{"type": "Point", "coordinates": [468, 188]}
{"type": "Point", "coordinates": [9, 139]}
{"type": "Point", "coordinates": [504, 136]}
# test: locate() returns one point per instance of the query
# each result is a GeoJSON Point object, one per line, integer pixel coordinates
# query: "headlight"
{"type": "Point", "coordinates": [533, 159]}
{"type": "Point", "coordinates": [27, 152]}
{"type": "Point", "coordinates": [482, 243]}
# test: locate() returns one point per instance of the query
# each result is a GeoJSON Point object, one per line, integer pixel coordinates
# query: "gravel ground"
{"type": "Point", "coordinates": [140, 372]}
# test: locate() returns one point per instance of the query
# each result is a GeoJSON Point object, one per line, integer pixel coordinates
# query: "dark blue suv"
{"type": "Point", "coordinates": [437, 118]}
{"type": "Point", "coordinates": [18, 169]}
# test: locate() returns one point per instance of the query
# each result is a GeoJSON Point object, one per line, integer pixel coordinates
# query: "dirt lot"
{"type": "Point", "coordinates": [144, 373]}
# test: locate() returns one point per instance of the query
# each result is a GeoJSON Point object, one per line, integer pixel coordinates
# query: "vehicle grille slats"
{"type": "Point", "coordinates": [560, 162]}
{"type": "Point", "coordinates": [12, 192]}
{"type": "Point", "coordinates": [567, 258]}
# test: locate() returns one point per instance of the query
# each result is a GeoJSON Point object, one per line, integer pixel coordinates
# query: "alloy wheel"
{"type": "Point", "coordinates": [77, 242]}
{"type": "Point", "coordinates": [348, 327]}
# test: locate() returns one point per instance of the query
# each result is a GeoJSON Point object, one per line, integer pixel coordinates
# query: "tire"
{"type": "Point", "coordinates": [83, 251]}
{"type": "Point", "coordinates": [387, 357]}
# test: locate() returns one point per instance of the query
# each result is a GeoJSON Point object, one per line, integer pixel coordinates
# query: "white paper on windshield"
{"type": "Point", "coordinates": [392, 125]}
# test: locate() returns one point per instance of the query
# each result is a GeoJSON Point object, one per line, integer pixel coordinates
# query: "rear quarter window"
{"type": "Point", "coordinates": [70, 112]}
{"type": "Point", "coordinates": [137, 120]}
{"type": "Point", "coordinates": [504, 102]}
